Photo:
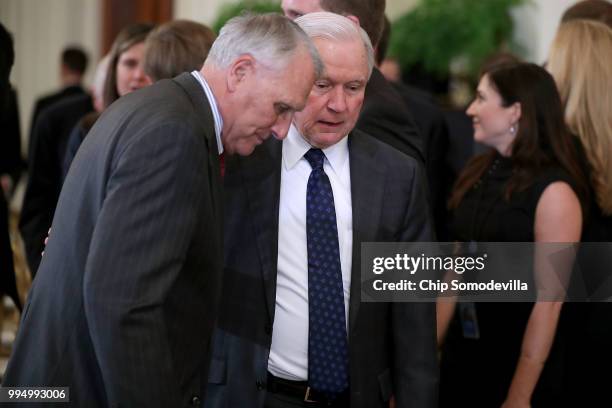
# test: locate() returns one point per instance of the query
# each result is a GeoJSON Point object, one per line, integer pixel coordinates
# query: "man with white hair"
{"type": "Point", "coordinates": [292, 330]}
{"type": "Point", "coordinates": [385, 115]}
{"type": "Point", "coordinates": [124, 303]}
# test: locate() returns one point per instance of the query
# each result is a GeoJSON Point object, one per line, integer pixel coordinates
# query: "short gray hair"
{"type": "Point", "coordinates": [270, 38]}
{"type": "Point", "coordinates": [335, 27]}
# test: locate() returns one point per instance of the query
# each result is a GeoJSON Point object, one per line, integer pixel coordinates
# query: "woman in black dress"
{"type": "Point", "coordinates": [528, 188]}
{"type": "Point", "coordinates": [586, 91]}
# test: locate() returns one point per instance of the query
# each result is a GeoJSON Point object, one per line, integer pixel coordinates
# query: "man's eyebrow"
{"type": "Point", "coordinates": [294, 107]}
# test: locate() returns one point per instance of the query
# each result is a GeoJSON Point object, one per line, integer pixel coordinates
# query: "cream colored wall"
{"type": "Point", "coordinates": [205, 11]}
{"type": "Point", "coordinates": [535, 25]}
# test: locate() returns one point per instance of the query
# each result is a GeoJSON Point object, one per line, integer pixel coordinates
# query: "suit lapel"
{"type": "Point", "coordinates": [262, 173]}
{"type": "Point", "coordinates": [204, 113]}
{"type": "Point", "coordinates": [367, 188]}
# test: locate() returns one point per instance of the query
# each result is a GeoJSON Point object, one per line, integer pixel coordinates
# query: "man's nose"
{"type": "Point", "coordinates": [337, 101]}
{"type": "Point", "coordinates": [281, 127]}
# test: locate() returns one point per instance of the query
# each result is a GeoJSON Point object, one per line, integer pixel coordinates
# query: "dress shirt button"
{"type": "Point", "coordinates": [195, 400]}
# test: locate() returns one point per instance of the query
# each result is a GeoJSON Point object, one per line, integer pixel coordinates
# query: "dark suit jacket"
{"type": "Point", "coordinates": [48, 145]}
{"type": "Point", "coordinates": [392, 346]}
{"type": "Point", "coordinates": [10, 164]}
{"type": "Point", "coordinates": [124, 302]}
{"type": "Point", "coordinates": [386, 117]}
{"type": "Point", "coordinates": [46, 101]}
{"type": "Point", "coordinates": [432, 125]}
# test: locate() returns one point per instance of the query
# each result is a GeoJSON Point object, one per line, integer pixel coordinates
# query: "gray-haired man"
{"type": "Point", "coordinates": [123, 305]}
{"type": "Point", "coordinates": [292, 331]}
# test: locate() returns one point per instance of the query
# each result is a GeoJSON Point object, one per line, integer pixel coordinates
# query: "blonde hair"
{"type": "Point", "coordinates": [175, 47]}
{"type": "Point", "coordinates": [580, 60]}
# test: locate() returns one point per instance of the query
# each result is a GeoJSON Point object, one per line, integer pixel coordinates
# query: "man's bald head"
{"type": "Point", "coordinates": [297, 8]}
{"type": "Point", "coordinates": [370, 13]}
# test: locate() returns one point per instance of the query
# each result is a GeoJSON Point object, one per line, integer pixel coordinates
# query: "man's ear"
{"type": "Point", "coordinates": [354, 19]}
{"type": "Point", "coordinates": [239, 70]}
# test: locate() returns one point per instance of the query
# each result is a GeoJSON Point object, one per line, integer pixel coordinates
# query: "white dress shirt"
{"type": "Point", "coordinates": [289, 351]}
{"type": "Point", "coordinates": [212, 101]}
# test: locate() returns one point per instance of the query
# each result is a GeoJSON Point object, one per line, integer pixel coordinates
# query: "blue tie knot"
{"type": "Point", "coordinates": [315, 157]}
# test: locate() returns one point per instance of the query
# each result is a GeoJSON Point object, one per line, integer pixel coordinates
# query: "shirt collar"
{"type": "Point", "coordinates": [218, 119]}
{"type": "Point", "coordinates": [295, 147]}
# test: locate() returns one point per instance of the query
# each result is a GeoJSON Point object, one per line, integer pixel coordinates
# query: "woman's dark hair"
{"type": "Point", "coordinates": [128, 37]}
{"type": "Point", "coordinates": [542, 139]}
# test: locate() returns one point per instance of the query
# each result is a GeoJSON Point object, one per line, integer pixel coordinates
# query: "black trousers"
{"type": "Point", "coordinates": [277, 400]}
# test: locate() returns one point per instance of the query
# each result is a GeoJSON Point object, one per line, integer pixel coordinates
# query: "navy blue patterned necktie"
{"type": "Point", "coordinates": [327, 339]}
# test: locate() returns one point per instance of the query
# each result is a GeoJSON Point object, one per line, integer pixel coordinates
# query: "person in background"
{"type": "Point", "coordinates": [580, 60]}
{"type": "Point", "coordinates": [11, 163]}
{"type": "Point", "coordinates": [598, 10]}
{"type": "Point", "coordinates": [10, 156]}
{"type": "Point", "coordinates": [527, 188]}
{"type": "Point", "coordinates": [125, 299]}
{"type": "Point", "coordinates": [82, 127]}
{"type": "Point", "coordinates": [176, 47]}
{"type": "Point", "coordinates": [172, 48]}
{"type": "Point", "coordinates": [432, 126]}
{"type": "Point", "coordinates": [52, 131]}
{"type": "Point", "coordinates": [391, 69]}
{"type": "Point", "coordinates": [126, 67]}
{"type": "Point", "coordinates": [73, 65]}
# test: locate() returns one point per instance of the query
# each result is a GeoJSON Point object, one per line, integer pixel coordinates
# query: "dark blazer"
{"type": "Point", "coordinates": [77, 135]}
{"type": "Point", "coordinates": [10, 164]}
{"type": "Point", "coordinates": [46, 101]}
{"type": "Point", "coordinates": [386, 117]}
{"type": "Point", "coordinates": [392, 346]}
{"type": "Point", "coordinates": [123, 305]}
{"type": "Point", "coordinates": [48, 145]}
{"type": "Point", "coordinates": [432, 125]}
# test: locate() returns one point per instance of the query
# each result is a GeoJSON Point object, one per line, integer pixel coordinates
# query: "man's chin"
{"type": "Point", "coordinates": [325, 139]}
{"type": "Point", "coordinates": [244, 150]}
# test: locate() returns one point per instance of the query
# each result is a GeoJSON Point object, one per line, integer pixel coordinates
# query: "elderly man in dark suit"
{"type": "Point", "coordinates": [292, 330]}
{"type": "Point", "coordinates": [125, 299]}
{"type": "Point", "coordinates": [384, 114]}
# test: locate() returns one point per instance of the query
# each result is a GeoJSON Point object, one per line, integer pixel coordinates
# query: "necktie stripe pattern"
{"type": "Point", "coordinates": [327, 342]}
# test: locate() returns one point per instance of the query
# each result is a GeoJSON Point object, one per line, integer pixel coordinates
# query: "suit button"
{"type": "Point", "coordinates": [268, 329]}
{"type": "Point", "coordinates": [195, 400]}
{"type": "Point", "coordinates": [260, 385]}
